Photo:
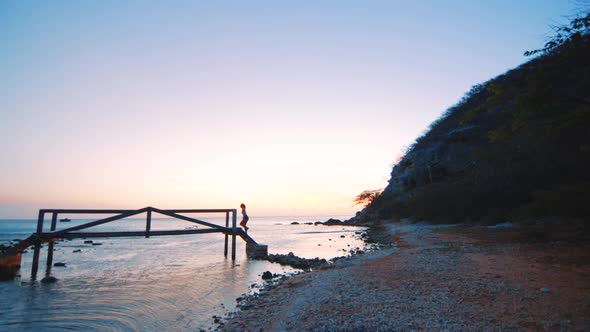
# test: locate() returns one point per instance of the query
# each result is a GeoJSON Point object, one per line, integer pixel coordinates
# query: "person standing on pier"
{"type": "Point", "coordinates": [245, 217]}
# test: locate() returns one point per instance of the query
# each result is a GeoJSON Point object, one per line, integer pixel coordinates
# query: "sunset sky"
{"type": "Point", "coordinates": [292, 107]}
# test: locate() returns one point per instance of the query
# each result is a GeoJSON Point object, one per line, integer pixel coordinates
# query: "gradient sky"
{"type": "Point", "coordinates": [292, 107]}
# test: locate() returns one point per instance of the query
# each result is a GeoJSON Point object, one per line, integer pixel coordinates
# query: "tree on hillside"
{"type": "Point", "coordinates": [535, 102]}
{"type": "Point", "coordinates": [367, 197]}
{"type": "Point", "coordinates": [576, 30]}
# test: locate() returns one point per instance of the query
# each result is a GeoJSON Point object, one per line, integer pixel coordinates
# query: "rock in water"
{"type": "Point", "coordinates": [60, 264]}
{"type": "Point", "coordinates": [267, 275]}
{"type": "Point", "coordinates": [296, 262]}
{"type": "Point", "coordinates": [49, 280]}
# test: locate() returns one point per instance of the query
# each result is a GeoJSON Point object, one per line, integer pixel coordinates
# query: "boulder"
{"type": "Point", "coordinates": [267, 275]}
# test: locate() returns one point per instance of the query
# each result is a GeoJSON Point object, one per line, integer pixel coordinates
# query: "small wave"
{"type": "Point", "coordinates": [122, 256]}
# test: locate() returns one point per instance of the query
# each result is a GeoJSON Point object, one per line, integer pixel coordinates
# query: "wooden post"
{"type": "Point", "coordinates": [148, 223]}
{"type": "Point", "coordinates": [226, 235]}
{"type": "Point", "coordinates": [54, 221]}
{"type": "Point", "coordinates": [234, 230]}
{"type": "Point", "coordinates": [37, 249]}
{"type": "Point", "coordinates": [49, 259]}
{"type": "Point", "coordinates": [35, 267]}
{"type": "Point", "coordinates": [40, 222]}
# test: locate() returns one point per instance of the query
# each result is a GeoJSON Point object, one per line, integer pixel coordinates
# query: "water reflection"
{"type": "Point", "coordinates": [165, 283]}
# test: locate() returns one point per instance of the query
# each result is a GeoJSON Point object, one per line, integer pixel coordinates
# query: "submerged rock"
{"type": "Point", "coordinates": [49, 280]}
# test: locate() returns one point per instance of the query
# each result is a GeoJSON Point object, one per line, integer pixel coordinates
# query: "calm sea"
{"type": "Point", "coordinates": [167, 283]}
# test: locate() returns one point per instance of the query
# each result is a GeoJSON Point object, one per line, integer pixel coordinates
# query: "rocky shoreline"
{"type": "Point", "coordinates": [372, 236]}
{"type": "Point", "coordinates": [443, 277]}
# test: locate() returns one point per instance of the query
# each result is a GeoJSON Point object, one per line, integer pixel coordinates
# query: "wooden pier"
{"type": "Point", "coordinates": [81, 231]}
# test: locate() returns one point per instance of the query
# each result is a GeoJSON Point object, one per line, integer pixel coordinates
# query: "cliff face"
{"type": "Point", "coordinates": [515, 146]}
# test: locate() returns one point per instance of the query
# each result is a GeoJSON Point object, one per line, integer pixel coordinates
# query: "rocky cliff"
{"type": "Point", "coordinates": [515, 147]}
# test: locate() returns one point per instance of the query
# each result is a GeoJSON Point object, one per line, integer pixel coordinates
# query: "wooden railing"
{"type": "Point", "coordinates": [76, 231]}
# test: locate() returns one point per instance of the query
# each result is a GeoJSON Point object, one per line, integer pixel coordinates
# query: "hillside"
{"type": "Point", "coordinates": [515, 148]}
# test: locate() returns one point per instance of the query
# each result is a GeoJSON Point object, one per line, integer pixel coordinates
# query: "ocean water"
{"type": "Point", "coordinates": [165, 283]}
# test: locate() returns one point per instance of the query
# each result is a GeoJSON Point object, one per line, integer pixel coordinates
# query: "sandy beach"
{"type": "Point", "coordinates": [434, 278]}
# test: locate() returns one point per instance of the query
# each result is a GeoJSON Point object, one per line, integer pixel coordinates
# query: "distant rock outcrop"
{"type": "Point", "coordinates": [332, 222]}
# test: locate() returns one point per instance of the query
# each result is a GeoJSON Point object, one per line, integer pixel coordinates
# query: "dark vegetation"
{"type": "Point", "coordinates": [514, 148]}
{"type": "Point", "coordinates": [367, 197]}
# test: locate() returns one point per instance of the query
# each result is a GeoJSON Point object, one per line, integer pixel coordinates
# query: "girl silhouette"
{"type": "Point", "coordinates": [245, 217]}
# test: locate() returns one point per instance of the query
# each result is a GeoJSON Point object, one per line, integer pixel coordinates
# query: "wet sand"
{"type": "Point", "coordinates": [435, 278]}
